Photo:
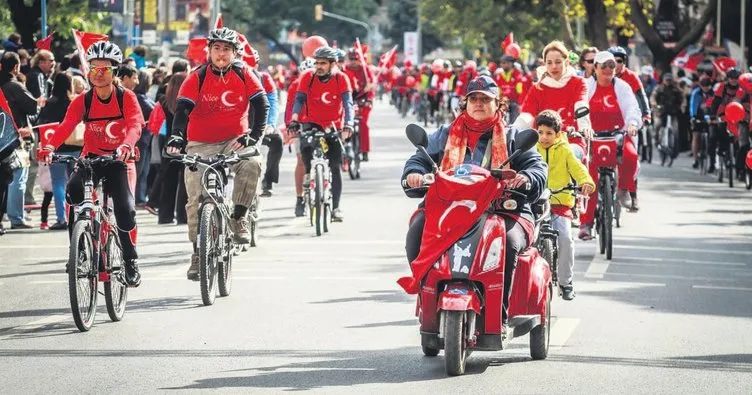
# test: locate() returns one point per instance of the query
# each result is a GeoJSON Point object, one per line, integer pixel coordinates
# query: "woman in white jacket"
{"type": "Point", "coordinates": [613, 105]}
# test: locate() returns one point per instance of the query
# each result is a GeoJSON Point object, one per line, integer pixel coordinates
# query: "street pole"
{"type": "Point", "coordinates": [44, 18]}
{"type": "Point", "coordinates": [353, 21]}
{"type": "Point", "coordinates": [718, 24]}
{"type": "Point", "coordinates": [128, 12]}
{"type": "Point", "coordinates": [743, 40]}
{"type": "Point", "coordinates": [420, 35]}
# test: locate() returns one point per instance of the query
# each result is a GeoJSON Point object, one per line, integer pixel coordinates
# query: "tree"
{"type": "Point", "coordinates": [402, 16]}
{"type": "Point", "coordinates": [663, 55]}
{"type": "Point", "coordinates": [62, 15]}
{"type": "Point", "coordinates": [258, 17]}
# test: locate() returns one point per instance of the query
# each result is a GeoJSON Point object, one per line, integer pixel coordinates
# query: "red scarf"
{"type": "Point", "coordinates": [466, 131]}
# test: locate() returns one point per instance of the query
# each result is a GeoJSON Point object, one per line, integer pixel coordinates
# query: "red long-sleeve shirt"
{"type": "Point", "coordinates": [107, 129]}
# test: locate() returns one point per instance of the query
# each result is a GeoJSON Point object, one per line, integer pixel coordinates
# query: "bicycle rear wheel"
{"type": "Point", "coordinates": [731, 165]}
{"type": "Point", "coordinates": [209, 246]}
{"type": "Point", "coordinates": [115, 290]}
{"type": "Point", "coordinates": [253, 214]}
{"type": "Point", "coordinates": [317, 209]}
{"type": "Point", "coordinates": [608, 216]}
{"type": "Point", "coordinates": [224, 273]}
{"type": "Point", "coordinates": [83, 276]}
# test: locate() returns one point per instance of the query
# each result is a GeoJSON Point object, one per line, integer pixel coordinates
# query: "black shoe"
{"type": "Point", "coordinates": [299, 207]}
{"type": "Point", "coordinates": [151, 209]}
{"type": "Point", "coordinates": [59, 226]}
{"type": "Point", "coordinates": [567, 291]}
{"type": "Point", "coordinates": [364, 157]}
{"type": "Point", "coordinates": [711, 170]}
{"type": "Point", "coordinates": [266, 193]}
{"type": "Point", "coordinates": [695, 165]}
{"type": "Point", "coordinates": [22, 225]}
{"type": "Point", "coordinates": [132, 276]}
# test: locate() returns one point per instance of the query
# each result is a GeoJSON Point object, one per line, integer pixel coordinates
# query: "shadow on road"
{"type": "Point", "coordinates": [390, 296]}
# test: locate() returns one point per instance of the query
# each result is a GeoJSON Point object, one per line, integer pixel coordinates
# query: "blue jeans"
{"type": "Point", "coordinates": [142, 174]}
{"type": "Point", "coordinates": [60, 173]}
{"type": "Point", "coordinates": [16, 191]}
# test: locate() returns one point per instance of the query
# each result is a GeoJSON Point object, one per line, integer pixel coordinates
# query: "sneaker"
{"type": "Point", "coordinates": [151, 209]}
{"type": "Point", "coordinates": [635, 205]}
{"type": "Point", "coordinates": [695, 165]}
{"type": "Point", "coordinates": [241, 234]}
{"type": "Point", "coordinates": [266, 193]}
{"type": "Point", "coordinates": [44, 226]}
{"type": "Point", "coordinates": [586, 232]}
{"type": "Point", "coordinates": [132, 276]}
{"type": "Point", "coordinates": [22, 225]}
{"type": "Point", "coordinates": [567, 291]}
{"type": "Point", "coordinates": [624, 198]}
{"type": "Point", "coordinates": [337, 215]}
{"type": "Point", "coordinates": [192, 272]}
{"type": "Point", "coordinates": [59, 226]}
{"type": "Point", "coordinates": [364, 157]}
{"type": "Point", "coordinates": [299, 207]}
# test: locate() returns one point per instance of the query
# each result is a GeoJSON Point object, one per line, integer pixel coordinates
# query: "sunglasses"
{"type": "Point", "coordinates": [619, 60]}
{"type": "Point", "coordinates": [102, 69]}
{"type": "Point", "coordinates": [590, 61]}
{"type": "Point", "coordinates": [608, 65]}
{"type": "Point", "coordinates": [479, 98]}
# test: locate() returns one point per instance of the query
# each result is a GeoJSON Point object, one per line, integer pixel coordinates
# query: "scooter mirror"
{"type": "Point", "coordinates": [525, 140]}
{"type": "Point", "coordinates": [417, 135]}
{"type": "Point", "coordinates": [581, 112]}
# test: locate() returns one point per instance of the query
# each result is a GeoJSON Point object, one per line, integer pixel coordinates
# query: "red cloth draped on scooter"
{"type": "Point", "coordinates": [452, 205]}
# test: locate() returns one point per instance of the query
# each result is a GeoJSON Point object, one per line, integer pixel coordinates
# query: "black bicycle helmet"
{"type": "Point", "coordinates": [105, 50]}
{"type": "Point", "coordinates": [618, 52]}
{"type": "Point", "coordinates": [224, 35]}
{"type": "Point", "coordinates": [733, 73]}
{"type": "Point", "coordinates": [327, 53]}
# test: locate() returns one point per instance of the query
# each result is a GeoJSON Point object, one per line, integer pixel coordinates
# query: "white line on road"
{"type": "Point", "coordinates": [25, 246]}
{"type": "Point", "coordinates": [561, 330]}
{"type": "Point", "coordinates": [53, 319]}
{"type": "Point", "coordinates": [597, 267]}
{"type": "Point", "coordinates": [722, 288]}
{"type": "Point", "coordinates": [685, 249]}
{"type": "Point", "coordinates": [687, 261]}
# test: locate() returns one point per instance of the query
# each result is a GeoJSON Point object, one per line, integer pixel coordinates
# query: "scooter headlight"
{"type": "Point", "coordinates": [493, 257]}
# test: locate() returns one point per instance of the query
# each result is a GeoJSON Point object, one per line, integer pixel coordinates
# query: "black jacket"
{"type": "Point", "coordinates": [530, 163]}
{"type": "Point", "coordinates": [37, 83]}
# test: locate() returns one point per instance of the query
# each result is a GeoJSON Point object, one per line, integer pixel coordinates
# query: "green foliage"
{"type": "Point", "coordinates": [403, 17]}
{"type": "Point", "coordinates": [64, 15]}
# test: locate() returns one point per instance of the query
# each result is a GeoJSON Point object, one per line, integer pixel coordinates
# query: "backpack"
{"type": "Point", "coordinates": [89, 96]}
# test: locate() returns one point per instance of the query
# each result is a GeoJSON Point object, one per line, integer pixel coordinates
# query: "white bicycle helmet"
{"type": "Point", "coordinates": [105, 50]}
{"type": "Point", "coordinates": [647, 70]}
{"type": "Point", "coordinates": [225, 35]}
{"type": "Point", "coordinates": [307, 64]}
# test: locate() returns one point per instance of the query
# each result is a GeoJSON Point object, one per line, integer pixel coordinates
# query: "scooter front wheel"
{"type": "Point", "coordinates": [540, 336]}
{"type": "Point", "coordinates": [455, 349]}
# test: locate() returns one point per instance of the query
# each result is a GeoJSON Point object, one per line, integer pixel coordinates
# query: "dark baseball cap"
{"type": "Point", "coordinates": [483, 84]}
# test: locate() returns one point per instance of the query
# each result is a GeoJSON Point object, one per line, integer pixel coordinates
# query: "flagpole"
{"type": "Point", "coordinates": [44, 18]}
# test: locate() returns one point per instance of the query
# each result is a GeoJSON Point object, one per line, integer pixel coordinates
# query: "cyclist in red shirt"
{"type": "Point", "coordinates": [113, 122]}
{"type": "Point", "coordinates": [325, 92]}
{"type": "Point", "coordinates": [363, 83]}
{"type": "Point", "coordinates": [212, 116]}
{"type": "Point", "coordinates": [631, 78]}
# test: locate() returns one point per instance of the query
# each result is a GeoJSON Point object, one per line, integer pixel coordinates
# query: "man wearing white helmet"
{"type": "Point", "coordinates": [215, 104]}
{"type": "Point", "coordinates": [113, 122]}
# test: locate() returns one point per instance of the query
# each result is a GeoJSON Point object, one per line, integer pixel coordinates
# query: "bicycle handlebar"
{"type": "Point", "coordinates": [219, 159]}
{"type": "Point", "coordinates": [72, 158]}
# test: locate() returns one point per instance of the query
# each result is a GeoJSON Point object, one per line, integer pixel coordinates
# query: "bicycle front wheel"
{"type": "Point", "coordinates": [608, 216]}
{"type": "Point", "coordinates": [82, 276]}
{"type": "Point", "coordinates": [318, 199]}
{"type": "Point", "coordinates": [115, 290]}
{"type": "Point", "coordinates": [209, 247]}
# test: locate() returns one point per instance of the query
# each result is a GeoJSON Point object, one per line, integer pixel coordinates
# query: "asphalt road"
{"type": "Point", "coordinates": [670, 314]}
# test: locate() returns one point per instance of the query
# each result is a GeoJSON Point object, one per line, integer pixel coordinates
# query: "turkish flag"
{"type": "Point", "coordinates": [83, 41]}
{"type": "Point", "coordinates": [724, 63]}
{"type": "Point", "coordinates": [361, 57]}
{"type": "Point", "coordinates": [218, 22]}
{"type": "Point", "coordinates": [246, 51]}
{"type": "Point", "coordinates": [45, 43]}
{"type": "Point", "coordinates": [46, 131]}
{"type": "Point", "coordinates": [507, 41]}
{"type": "Point", "coordinates": [196, 50]}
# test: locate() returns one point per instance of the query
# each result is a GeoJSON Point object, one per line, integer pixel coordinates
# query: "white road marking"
{"type": "Point", "coordinates": [687, 261]}
{"type": "Point", "coordinates": [719, 287]}
{"type": "Point", "coordinates": [685, 249]}
{"type": "Point", "coordinates": [597, 267]}
{"type": "Point", "coordinates": [561, 330]}
{"type": "Point", "coordinates": [28, 246]}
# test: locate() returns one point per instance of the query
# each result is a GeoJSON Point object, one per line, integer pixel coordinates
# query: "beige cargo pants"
{"type": "Point", "coordinates": [247, 173]}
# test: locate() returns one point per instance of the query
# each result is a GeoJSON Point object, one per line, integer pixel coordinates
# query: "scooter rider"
{"type": "Point", "coordinates": [477, 136]}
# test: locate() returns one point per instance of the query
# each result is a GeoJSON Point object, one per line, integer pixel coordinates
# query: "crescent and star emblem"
{"type": "Point", "coordinates": [107, 130]}
{"type": "Point", "coordinates": [324, 99]}
{"type": "Point", "coordinates": [606, 103]}
{"type": "Point", "coordinates": [224, 100]}
{"type": "Point", "coordinates": [48, 133]}
{"type": "Point", "coordinates": [604, 151]}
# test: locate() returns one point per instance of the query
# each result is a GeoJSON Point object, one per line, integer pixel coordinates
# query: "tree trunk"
{"type": "Point", "coordinates": [662, 55]}
{"type": "Point", "coordinates": [597, 23]}
{"type": "Point", "coordinates": [568, 34]}
{"type": "Point", "coordinates": [25, 19]}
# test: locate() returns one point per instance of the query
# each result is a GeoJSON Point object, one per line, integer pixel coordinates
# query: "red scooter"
{"type": "Point", "coordinates": [459, 273]}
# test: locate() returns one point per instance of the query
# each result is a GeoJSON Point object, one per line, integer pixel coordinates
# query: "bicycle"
{"type": "Point", "coordinates": [317, 190]}
{"type": "Point", "coordinates": [725, 153]}
{"type": "Point", "coordinates": [215, 239]}
{"type": "Point", "coordinates": [547, 238]}
{"type": "Point", "coordinates": [95, 254]}
{"type": "Point", "coordinates": [703, 130]}
{"type": "Point", "coordinates": [606, 153]}
{"type": "Point", "coordinates": [646, 142]}
{"type": "Point", "coordinates": [351, 158]}
{"type": "Point", "coordinates": [667, 145]}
